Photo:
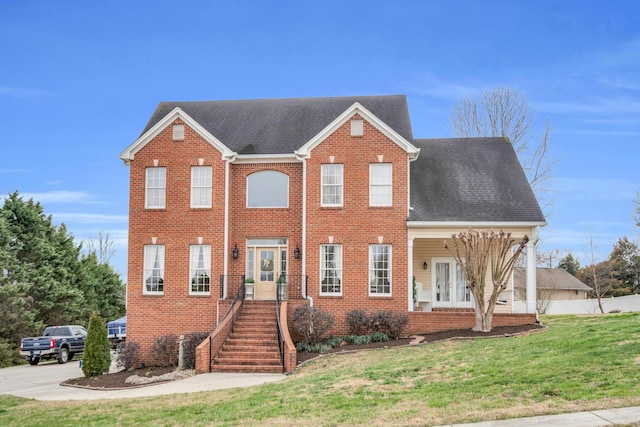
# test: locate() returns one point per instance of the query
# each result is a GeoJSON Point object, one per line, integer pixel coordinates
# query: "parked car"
{"type": "Point", "coordinates": [59, 342]}
{"type": "Point", "coordinates": [117, 331]}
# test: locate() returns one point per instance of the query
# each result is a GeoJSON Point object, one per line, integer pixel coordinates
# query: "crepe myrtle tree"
{"type": "Point", "coordinates": [477, 252]}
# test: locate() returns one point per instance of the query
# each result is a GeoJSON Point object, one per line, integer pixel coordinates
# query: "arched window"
{"type": "Point", "coordinates": [267, 189]}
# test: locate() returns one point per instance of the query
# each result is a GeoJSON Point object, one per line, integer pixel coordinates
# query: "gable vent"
{"type": "Point", "coordinates": [357, 128]}
{"type": "Point", "coordinates": [178, 132]}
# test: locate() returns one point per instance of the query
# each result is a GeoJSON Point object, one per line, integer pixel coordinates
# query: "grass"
{"type": "Point", "coordinates": [578, 363]}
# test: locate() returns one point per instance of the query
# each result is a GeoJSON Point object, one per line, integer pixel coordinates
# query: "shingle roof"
{"type": "Point", "coordinates": [470, 180]}
{"type": "Point", "coordinates": [550, 278]}
{"type": "Point", "coordinates": [281, 126]}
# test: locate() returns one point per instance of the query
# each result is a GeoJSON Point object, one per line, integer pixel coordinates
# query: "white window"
{"type": "Point", "coordinates": [380, 179]}
{"type": "Point", "coordinates": [267, 189]}
{"type": "Point", "coordinates": [153, 269]}
{"type": "Point", "coordinates": [379, 269]}
{"type": "Point", "coordinates": [156, 188]}
{"type": "Point", "coordinates": [330, 269]}
{"type": "Point", "coordinates": [332, 179]}
{"type": "Point", "coordinates": [201, 186]}
{"type": "Point", "coordinates": [200, 272]}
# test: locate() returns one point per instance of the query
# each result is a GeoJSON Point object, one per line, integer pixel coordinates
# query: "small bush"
{"type": "Point", "coordinates": [164, 351]}
{"type": "Point", "coordinates": [379, 337]}
{"type": "Point", "coordinates": [9, 354]}
{"type": "Point", "coordinates": [335, 342]}
{"type": "Point", "coordinates": [97, 349]}
{"type": "Point", "coordinates": [303, 347]}
{"type": "Point", "coordinates": [358, 339]}
{"type": "Point", "coordinates": [311, 324]}
{"type": "Point", "coordinates": [390, 323]}
{"type": "Point", "coordinates": [321, 348]}
{"type": "Point", "coordinates": [357, 322]}
{"type": "Point", "coordinates": [191, 341]}
{"type": "Point", "coordinates": [128, 355]}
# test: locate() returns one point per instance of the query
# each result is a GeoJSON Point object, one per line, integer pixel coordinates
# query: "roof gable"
{"type": "Point", "coordinates": [151, 132]}
{"type": "Point", "coordinates": [365, 114]}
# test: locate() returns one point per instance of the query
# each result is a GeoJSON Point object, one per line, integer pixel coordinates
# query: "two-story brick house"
{"type": "Point", "coordinates": [333, 197]}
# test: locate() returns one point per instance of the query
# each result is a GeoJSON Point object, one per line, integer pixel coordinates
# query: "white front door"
{"type": "Point", "coordinates": [448, 285]}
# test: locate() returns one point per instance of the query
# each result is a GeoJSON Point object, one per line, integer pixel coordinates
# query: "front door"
{"type": "Point", "coordinates": [267, 273]}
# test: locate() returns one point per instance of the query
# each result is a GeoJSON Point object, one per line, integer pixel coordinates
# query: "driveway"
{"type": "Point", "coordinates": [42, 382]}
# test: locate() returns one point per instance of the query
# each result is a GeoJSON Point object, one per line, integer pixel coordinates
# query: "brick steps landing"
{"type": "Point", "coordinates": [253, 344]}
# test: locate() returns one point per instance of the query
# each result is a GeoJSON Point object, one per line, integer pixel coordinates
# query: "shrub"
{"type": "Point", "coordinates": [335, 342]}
{"type": "Point", "coordinates": [97, 349]}
{"type": "Point", "coordinates": [358, 339]}
{"type": "Point", "coordinates": [390, 323]}
{"type": "Point", "coordinates": [128, 355]}
{"type": "Point", "coordinates": [357, 321]}
{"type": "Point", "coordinates": [379, 337]}
{"type": "Point", "coordinates": [310, 324]}
{"type": "Point", "coordinates": [9, 354]}
{"type": "Point", "coordinates": [164, 351]}
{"type": "Point", "coordinates": [191, 341]}
{"type": "Point", "coordinates": [303, 346]}
{"type": "Point", "coordinates": [321, 348]}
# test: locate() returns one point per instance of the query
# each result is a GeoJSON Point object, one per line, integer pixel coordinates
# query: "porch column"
{"type": "Point", "coordinates": [531, 277]}
{"type": "Point", "coordinates": [410, 277]}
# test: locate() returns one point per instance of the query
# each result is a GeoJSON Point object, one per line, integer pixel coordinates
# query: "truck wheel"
{"type": "Point", "coordinates": [63, 357]}
{"type": "Point", "coordinates": [34, 361]}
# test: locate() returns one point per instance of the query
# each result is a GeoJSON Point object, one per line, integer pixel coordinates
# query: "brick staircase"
{"type": "Point", "coordinates": [253, 344]}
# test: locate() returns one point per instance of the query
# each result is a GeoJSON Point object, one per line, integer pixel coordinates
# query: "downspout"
{"type": "Point", "coordinates": [304, 228]}
{"type": "Point", "coordinates": [225, 255]}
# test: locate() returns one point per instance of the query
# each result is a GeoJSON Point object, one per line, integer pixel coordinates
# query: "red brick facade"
{"type": "Point", "coordinates": [302, 224]}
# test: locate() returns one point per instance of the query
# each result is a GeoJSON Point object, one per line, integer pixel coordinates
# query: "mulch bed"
{"type": "Point", "coordinates": [117, 380]}
{"type": "Point", "coordinates": [499, 331]}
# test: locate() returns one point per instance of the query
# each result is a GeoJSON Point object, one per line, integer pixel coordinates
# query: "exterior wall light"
{"type": "Point", "coordinates": [235, 252]}
{"type": "Point", "coordinates": [296, 252]}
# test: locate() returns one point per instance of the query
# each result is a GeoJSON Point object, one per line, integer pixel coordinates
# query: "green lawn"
{"type": "Point", "coordinates": [578, 363]}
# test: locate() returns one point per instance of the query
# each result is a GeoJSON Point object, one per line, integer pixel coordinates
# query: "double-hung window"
{"type": "Point", "coordinates": [156, 188]}
{"type": "Point", "coordinates": [380, 184]}
{"type": "Point", "coordinates": [331, 269]}
{"type": "Point", "coordinates": [380, 270]}
{"type": "Point", "coordinates": [153, 269]}
{"type": "Point", "coordinates": [332, 185]}
{"type": "Point", "coordinates": [200, 272]}
{"type": "Point", "coordinates": [201, 186]}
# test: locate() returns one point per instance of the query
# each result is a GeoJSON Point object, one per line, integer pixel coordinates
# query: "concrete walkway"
{"type": "Point", "coordinates": [605, 417]}
{"type": "Point", "coordinates": [42, 382]}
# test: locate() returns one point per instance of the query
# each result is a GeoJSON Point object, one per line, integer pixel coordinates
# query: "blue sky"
{"type": "Point", "coordinates": [79, 80]}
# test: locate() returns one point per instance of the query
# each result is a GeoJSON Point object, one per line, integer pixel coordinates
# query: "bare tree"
{"type": "Point", "coordinates": [504, 112]}
{"type": "Point", "coordinates": [636, 213]}
{"type": "Point", "coordinates": [598, 276]}
{"type": "Point", "coordinates": [102, 245]}
{"type": "Point", "coordinates": [481, 250]}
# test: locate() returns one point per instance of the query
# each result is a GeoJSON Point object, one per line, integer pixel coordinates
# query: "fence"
{"type": "Point", "coordinates": [587, 306]}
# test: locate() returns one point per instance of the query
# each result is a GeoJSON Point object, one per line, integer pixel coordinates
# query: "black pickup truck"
{"type": "Point", "coordinates": [60, 342]}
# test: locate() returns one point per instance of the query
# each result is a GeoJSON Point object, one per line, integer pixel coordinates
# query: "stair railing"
{"type": "Point", "coordinates": [280, 290]}
{"type": "Point", "coordinates": [225, 327]}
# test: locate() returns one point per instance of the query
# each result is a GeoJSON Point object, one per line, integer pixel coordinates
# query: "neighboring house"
{"type": "Point", "coordinates": [333, 196]}
{"type": "Point", "coordinates": [552, 284]}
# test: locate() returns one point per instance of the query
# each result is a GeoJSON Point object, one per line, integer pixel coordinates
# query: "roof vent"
{"type": "Point", "coordinates": [357, 128]}
{"type": "Point", "coordinates": [178, 132]}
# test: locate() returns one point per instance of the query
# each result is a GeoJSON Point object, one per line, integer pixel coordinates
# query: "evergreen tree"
{"type": "Point", "coordinates": [97, 351]}
{"type": "Point", "coordinates": [569, 264]}
{"type": "Point", "coordinates": [625, 265]}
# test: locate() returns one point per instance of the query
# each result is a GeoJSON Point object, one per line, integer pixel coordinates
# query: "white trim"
{"type": "Point", "coordinates": [207, 262]}
{"type": "Point", "coordinates": [452, 303]}
{"type": "Point", "coordinates": [210, 187]}
{"type": "Point", "coordinates": [357, 108]}
{"type": "Point", "coordinates": [462, 224]}
{"type": "Point", "coordinates": [266, 158]}
{"type": "Point", "coordinates": [129, 153]}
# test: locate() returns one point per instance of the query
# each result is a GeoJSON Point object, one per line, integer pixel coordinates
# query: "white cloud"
{"type": "Point", "coordinates": [61, 196]}
{"type": "Point", "coordinates": [20, 92]}
{"type": "Point", "coordinates": [89, 218]}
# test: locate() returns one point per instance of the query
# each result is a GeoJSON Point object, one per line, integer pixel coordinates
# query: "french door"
{"type": "Point", "coordinates": [448, 285]}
